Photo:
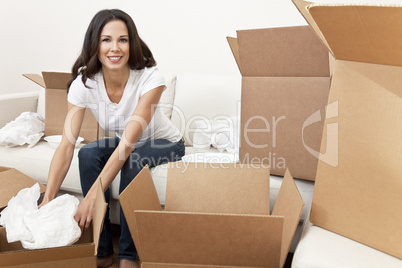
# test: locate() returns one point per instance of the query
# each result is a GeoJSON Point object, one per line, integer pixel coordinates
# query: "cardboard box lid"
{"type": "Point", "coordinates": [99, 215]}
{"type": "Point", "coordinates": [140, 194]}
{"type": "Point", "coordinates": [12, 181]}
{"type": "Point", "coordinates": [221, 188]}
{"type": "Point", "coordinates": [210, 239]}
{"type": "Point", "coordinates": [362, 33]}
{"type": "Point", "coordinates": [184, 233]}
{"type": "Point", "coordinates": [287, 204]}
{"type": "Point", "coordinates": [278, 52]}
{"type": "Point", "coordinates": [36, 78]}
{"type": "Point", "coordinates": [52, 80]}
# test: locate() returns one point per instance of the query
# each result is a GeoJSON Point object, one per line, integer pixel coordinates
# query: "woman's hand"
{"type": "Point", "coordinates": [85, 210]}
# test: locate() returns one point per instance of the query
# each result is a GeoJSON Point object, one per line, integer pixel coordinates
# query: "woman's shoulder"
{"type": "Point", "coordinates": [78, 84]}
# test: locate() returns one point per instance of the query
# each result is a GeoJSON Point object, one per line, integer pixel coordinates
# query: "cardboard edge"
{"type": "Point", "coordinates": [234, 47]}
{"type": "Point", "coordinates": [289, 204]}
{"type": "Point", "coordinates": [180, 230]}
{"type": "Point", "coordinates": [140, 194]}
{"type": "Point", "coordinates": [303, 7]}
{"type": "Point", "coordinates": [99, 215]}
{"type": "Point", "coordinates": [24, 180]}
{"type": "Point", "coordinates": [36, 78]}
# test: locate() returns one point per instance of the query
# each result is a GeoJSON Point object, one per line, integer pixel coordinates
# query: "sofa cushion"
{"type": "Point", "coordinates": [322, 248]}
{"type": "Point", "coordinates": [204, 97]}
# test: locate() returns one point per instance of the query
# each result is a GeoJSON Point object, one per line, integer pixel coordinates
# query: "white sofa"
{"type": "Point", "coordinates": [189, 97]}
{"type": "Point", "coordinates": [320, 248]}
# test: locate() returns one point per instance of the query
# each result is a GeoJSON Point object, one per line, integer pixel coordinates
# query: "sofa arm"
{"type": "Point", "coordinates": [13, 104]}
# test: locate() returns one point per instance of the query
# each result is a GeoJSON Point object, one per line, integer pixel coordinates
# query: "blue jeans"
{"type": "Point", "coordinates": [92, 159]}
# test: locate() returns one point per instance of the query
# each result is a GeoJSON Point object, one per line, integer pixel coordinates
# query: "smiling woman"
{"type": "Point", "coordinates": [116, 78]}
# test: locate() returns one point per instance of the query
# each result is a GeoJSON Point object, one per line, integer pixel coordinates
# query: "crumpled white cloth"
{"type": "Point", "coordinates": [52, 225]}
{"type": "Point", "coordinates": [27, 128]}
{"type": "Point", "coordinates": [222, 134]}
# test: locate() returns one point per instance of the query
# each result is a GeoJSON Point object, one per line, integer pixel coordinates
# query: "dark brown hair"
{"type": "Point", "coordinates": [88, 64]}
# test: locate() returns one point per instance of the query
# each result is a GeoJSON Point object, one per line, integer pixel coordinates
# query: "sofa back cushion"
{"type": "Point", "coordinates": [204, 97]}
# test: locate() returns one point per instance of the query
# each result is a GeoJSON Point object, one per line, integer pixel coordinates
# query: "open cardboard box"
{"type": "Point", "coordinates": [82, 254]}
{"type": "Point", "coordinates": [214, 216]}
{"type": "Point", "coordinates": [55, 84]}
{"type": "Point", "coordinates": [358, 189]}
{"type": "Point", "coordinates": [285, 85]}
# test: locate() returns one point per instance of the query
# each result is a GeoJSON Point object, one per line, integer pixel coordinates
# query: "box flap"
{"type": "Point", "coordinates": [140, 194]}
{"type": "Point", "coordinates": [209, 239]}
{"type": "Point", "coordinates": [370, 34]}
{"type": "Point", "coordinates": [235, 50]}
{"type": "Point", "coordinates": [289, 204]}
{"type": "Point", "coordinates": [282, 52]}
{"type": "Point", "coordinates": [12, 181]}
{"type": "Point", "coordinates": [282, 122]}
{"type": "Point", "coordinates": [99, 215]}
{"type": "Point", "coordinates": [218, 188]}
{"type": "Point", "coordinates": [36, 78]}
{"type": "Point", "coordinates": [56, 80]}
{"type": "Point", "coordinates": [302, 6]}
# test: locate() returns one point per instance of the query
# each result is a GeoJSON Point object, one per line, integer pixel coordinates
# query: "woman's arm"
{"type": "Point", "coordinates": [64, 153]}
{"type": "Point", "coordinates": [137, 124]}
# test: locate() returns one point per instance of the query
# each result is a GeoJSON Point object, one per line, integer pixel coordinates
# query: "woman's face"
{"type": "Point", "coordinates": [114, 46]}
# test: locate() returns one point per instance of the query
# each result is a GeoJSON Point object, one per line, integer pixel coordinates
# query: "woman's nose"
{"type": "Point", "coordinates": [115, 46]}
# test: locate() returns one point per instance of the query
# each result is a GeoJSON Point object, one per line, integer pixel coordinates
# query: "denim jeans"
{"type": "Point", "coordinates": [92, 159]}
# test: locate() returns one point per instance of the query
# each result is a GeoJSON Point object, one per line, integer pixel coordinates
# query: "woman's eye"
{"type": "Point", "coordinates": [106, 40]}
{"type": "Point", "coordinates": [124, 40]}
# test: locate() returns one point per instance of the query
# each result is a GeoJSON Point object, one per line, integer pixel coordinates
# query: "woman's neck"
{"type": "Point", "coordinates": [116, 80]}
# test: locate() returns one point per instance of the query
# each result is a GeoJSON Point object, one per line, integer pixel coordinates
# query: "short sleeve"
{"type": "Point", "coordinates": [77, 93]}
{"type": "Point", "coordinates": [152, 78]}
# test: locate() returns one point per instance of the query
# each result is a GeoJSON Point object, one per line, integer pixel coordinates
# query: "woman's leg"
{"type": "Point", "coordinates": [92, 158]}
{"type": "Point", "coordinates": [151, 153]}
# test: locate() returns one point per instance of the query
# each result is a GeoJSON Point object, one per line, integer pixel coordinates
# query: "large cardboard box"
{"type": "Point", "coordinates": [360, 197]}
{"type": "Point", "coordinates": [285, 85]}
{"type": "Point", "coordinates": [80, 255]}
{"type": "Point", "coordinates": [55, 84]}
{"type": "Point", "coordinates": [215, 216]}
{"type": "Point", "coordinates": [12, 181]}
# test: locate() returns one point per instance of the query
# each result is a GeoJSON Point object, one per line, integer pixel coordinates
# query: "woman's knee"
{"type": "Point", "coordinates": [96, 149]}
{"type": "Point", "coordinates": [88, 151]}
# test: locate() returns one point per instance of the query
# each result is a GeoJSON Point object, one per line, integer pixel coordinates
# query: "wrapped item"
{"type": "Point", "coordinates": [52, 225]}
{"type": "Point", "coordinates": [28, 128]}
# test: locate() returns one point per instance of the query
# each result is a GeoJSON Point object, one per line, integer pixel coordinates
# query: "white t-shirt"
{"type": "Point", "coordinates": [115, 116]}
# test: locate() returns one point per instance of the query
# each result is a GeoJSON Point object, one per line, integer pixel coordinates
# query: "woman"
{"type": "Point", "coordinates": [116, 79]}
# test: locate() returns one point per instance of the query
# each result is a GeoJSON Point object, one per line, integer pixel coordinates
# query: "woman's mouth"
{"type": "Point", "coordinates": [114, 59]}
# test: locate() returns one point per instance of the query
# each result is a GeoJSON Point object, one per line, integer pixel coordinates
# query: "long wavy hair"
{"type": "Point", "coordinates": [88, 64]}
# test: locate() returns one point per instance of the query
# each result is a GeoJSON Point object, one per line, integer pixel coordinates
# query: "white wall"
{"type": "Point", "coordinates": [184, 35]}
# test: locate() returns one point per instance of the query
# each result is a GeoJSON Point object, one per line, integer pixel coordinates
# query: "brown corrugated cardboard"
{"type": "Point", "coordinates": [211, 217]}
{"type": "Point", "coordinates": [81, 254]}
{"type": "Point", "coordinates": [55, 85]}
{"type": "Point", "coordinates": [358, 190]}
{"type": "Point", "coordinates": [285, 85]}
{"type": "Point", "coordinates": [12, 182]}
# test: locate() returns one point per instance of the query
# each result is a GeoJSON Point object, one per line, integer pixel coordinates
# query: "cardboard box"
{"type": "Point", "coordinates": [81, 254]}
{"type": "Point", "coordinates": [12, 181]}
{"type": "Point", "coordinates": [55, 85]}
{"type": "Point", "coordinates": [358, 190]}
{"type": "Point", "coordinates": [215, 215]}
{"type": "Point", "coordinates": [285, 85]}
